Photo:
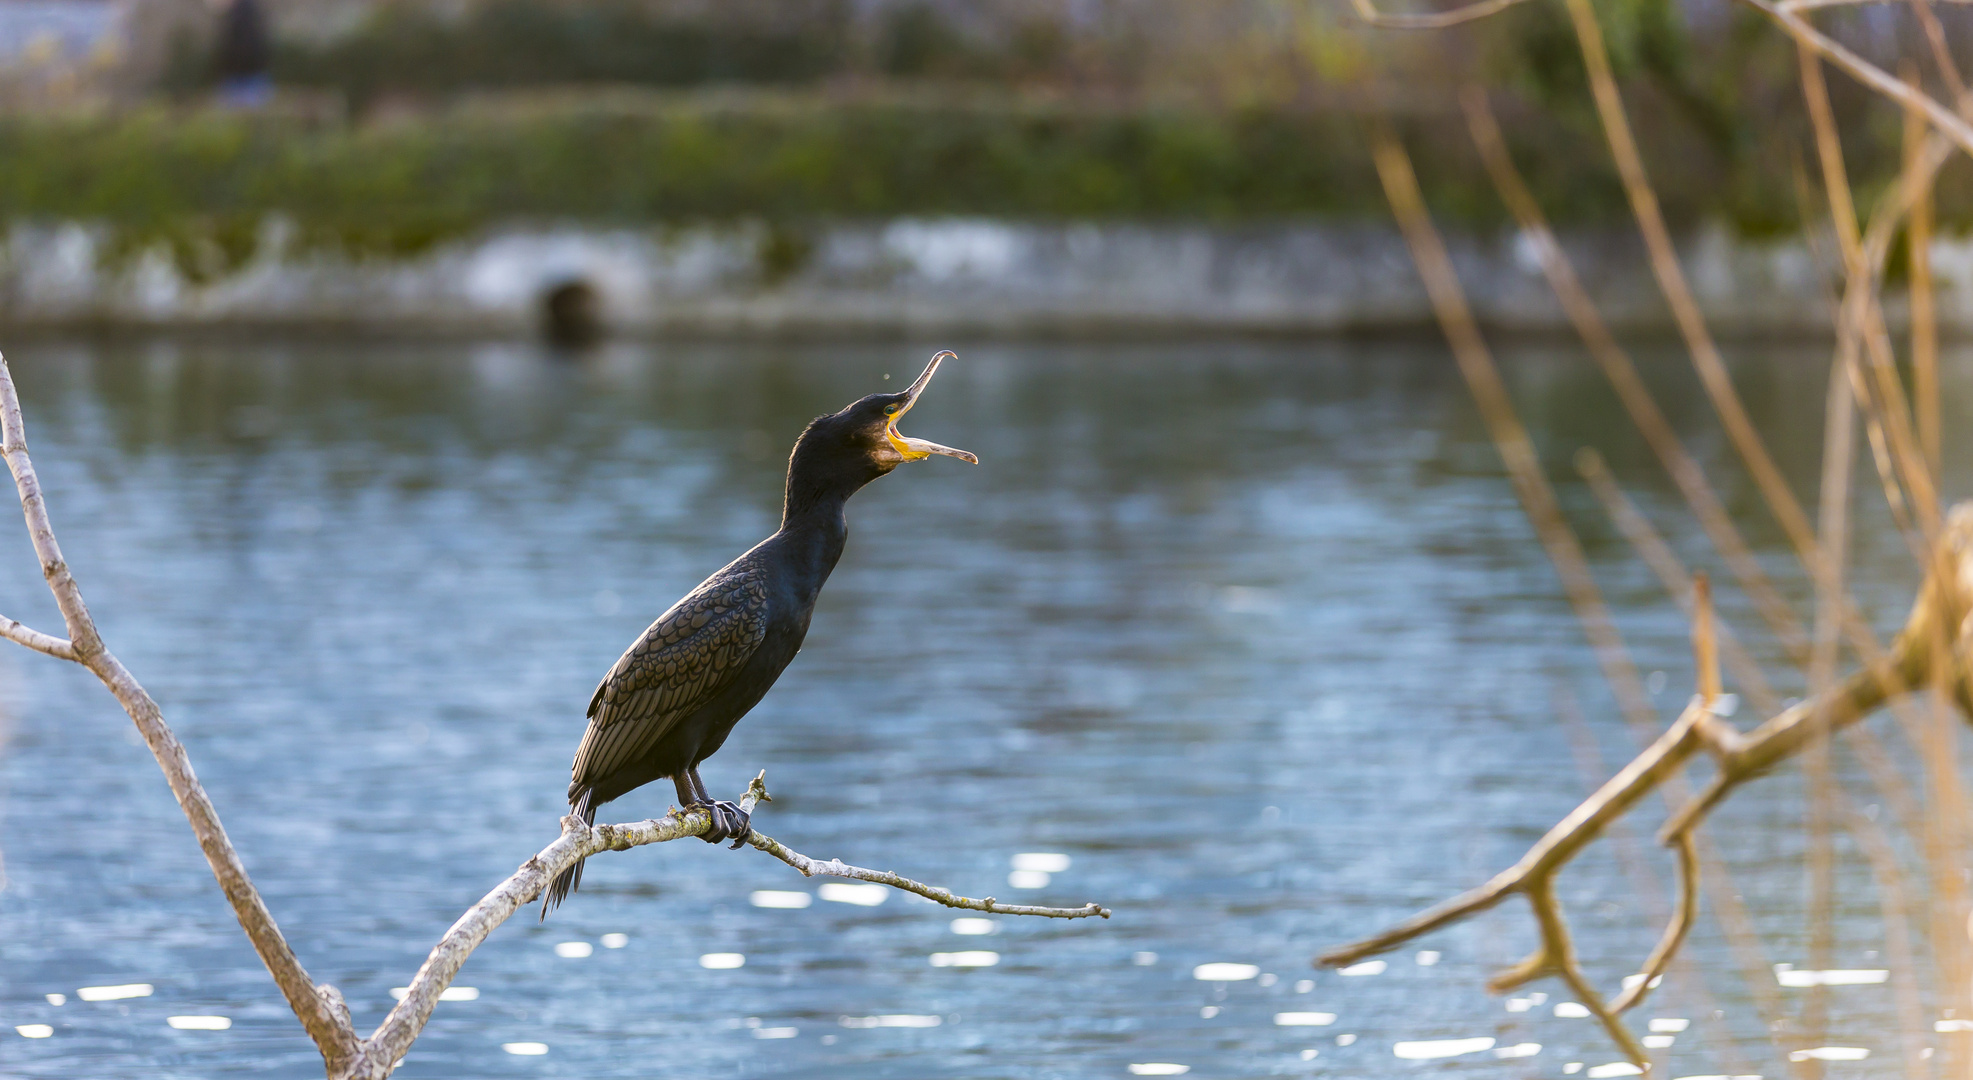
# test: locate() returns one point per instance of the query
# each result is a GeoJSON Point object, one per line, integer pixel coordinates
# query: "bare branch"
{"type": "Point", "coordinates": [1924, 319]}
{"type": "Point", "coordinates": [1942, 119]}
{"type": "Point", "coordinates": [1678, 582]}
{"type": "Point", "coordinates": [1812, 5]}
{"type": "Point", "coordinates": [1941, 603]}
{"type": "Point", "coordinates": [13, 446]}
{"type": "Point", "coordinates": [1617, 367]}
{"type": "Point", "coordinates": [1677, 290]}
{"type": "Point", "coordinates": [1368, 12]}
{"type": "Point", "coordinates": [578, 841]}
{"type": "Point", "coordinates": [1877, 848]}
{"type": "Point", "coordinates": [402, 1026]}
{"type": "Point", "coordinates": [1569, 836]}
{"type": "Point", "coordinates": [314, 1006]}
{"type": "Point", "coordinates": [59, 648]}
{"type": "Point", "coordinates": [1675, 931]}
{"type": "Point", "coordinates": [1510, 438]}
{"type": "Point", "coordinates": [836, 868]}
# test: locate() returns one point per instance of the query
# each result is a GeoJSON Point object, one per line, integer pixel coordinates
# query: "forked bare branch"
{"type": "Point", "coordinates": [1941, 603]}
{"type": "Point", "coordinates": [320, 1009]}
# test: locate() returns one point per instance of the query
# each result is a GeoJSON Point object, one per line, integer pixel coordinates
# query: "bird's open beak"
{"type": "Point", "coordinates": [920, 449]}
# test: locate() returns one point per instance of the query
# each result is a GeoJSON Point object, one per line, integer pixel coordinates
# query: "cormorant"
{"type": "Point", "coordinates": [670, 700]}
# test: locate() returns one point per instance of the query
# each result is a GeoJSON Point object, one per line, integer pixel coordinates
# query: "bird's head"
{"type": "Point", "coordinates": [862, 442]}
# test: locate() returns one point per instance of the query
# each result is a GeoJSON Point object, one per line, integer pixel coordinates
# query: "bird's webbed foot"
{"type": "Point", "coordinates": [729, 822]}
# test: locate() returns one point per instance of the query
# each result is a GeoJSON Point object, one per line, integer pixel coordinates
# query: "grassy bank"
{"type": "Point", "coordinates": [403, 183]}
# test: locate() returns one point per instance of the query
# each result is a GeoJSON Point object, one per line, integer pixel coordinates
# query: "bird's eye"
{"type": "Point", "coordinates": [890, 410]}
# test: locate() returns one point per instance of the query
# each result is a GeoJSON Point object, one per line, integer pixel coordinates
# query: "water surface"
{"type": "Point", "coordinates": [1255, 634]}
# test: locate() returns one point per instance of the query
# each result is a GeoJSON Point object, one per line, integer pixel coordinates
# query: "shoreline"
{"type": "Point", "coordinates": [910, 277]}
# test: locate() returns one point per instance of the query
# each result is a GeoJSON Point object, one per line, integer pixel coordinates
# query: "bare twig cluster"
{"type": "Point", "coordinates": [320, 1008]}
{"type": "Point", "coordinates": [1921, 677]}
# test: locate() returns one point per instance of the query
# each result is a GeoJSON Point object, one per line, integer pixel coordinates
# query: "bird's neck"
{"type": "Point", "coordinates": [813, 535]}
{"type": "Point", "coordinates": [812, 523]}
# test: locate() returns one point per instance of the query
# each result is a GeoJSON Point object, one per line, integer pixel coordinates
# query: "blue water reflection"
{"type": "Point", "coordinates": [1254, 634]}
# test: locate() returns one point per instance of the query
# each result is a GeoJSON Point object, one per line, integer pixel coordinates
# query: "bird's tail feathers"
{"type": "Point", "coordinates": [567, 881]}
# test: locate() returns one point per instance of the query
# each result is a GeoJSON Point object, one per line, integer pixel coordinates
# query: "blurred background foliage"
{"type": "Point", "coordinates": [395, 123]}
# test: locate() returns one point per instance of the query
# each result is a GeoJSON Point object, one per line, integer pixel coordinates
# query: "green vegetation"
{"type": "Point", "coordinates": [499, 44]}
{"type": "Point", "coordinates": [395, 185]}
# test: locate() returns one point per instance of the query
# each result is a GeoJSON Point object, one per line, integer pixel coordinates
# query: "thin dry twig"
{"type": "Point", "coordinates": [1617, 367]}
{"type": "Point", "coordinates": [1812, 5]}
{"type": "Point", "coordinates": [1838, 451]}
{"type": "Point", "coordinates": [321, 1008]}
{"type": "Point", "coordinates": [1942, 119]}
{"type": "Point", "coordinates": [1367, 11]}
{"type": "Point", "coordinates": [1671, 572]}
{"type": "Point", "coordinates": [1898, 953]}
{"type": "Point", "coordinates": [1924, 316]}
{"type": "Point", "coordinates": [1900, 463]}
{"type": "Point", "coordinates": [1672, 281]}
{"type": "Point", "coordinates": [1510, 438]}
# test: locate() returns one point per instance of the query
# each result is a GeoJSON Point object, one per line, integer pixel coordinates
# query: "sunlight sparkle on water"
{"type": "Point", "coordinates": [1041, 862]}
{"type": "Point", "coordinates": [894, 1020]}
{"type": "Point", "coordinates": [574, 950]}
{"type": "Point", "coordinates": [1670, 1024]}
{"type": "Point", "coordinates": [199, 1023]}
{"type": "Point", "coordinates": [34, 1031]}
{"type": "Point", "coordinates": [1440, 1048]}
{"type": "Point", "coordinates": [450, 993]}
{"type": "Point", "coordinates": [1368, 967]}
{"type": "Point", "coordinates": [1304, 1019]}
{"type": "Point", "coordinates": [1159, 1068]}
{"type": "Point", "coordinates": [1659, 1042]}
{"type": "Point", "coordinates": [1225, 972]}
{"type": "Point", "coordinates": [973, 927]}
{"type": "Point", "coordinates": [1028, 879]}
{"type": "Point", "coordinates": [776, 1032]}
{"type": "Point", "coordinates": [615, 941]}
{"type": "Point", "coordinates": [525, 1049]}
{"type": "Point", "coordinates": [1518, 1050]}
{"type": "Point", "coordinates": [1830, 1053]}
{"type": "Point", "coordinates": [776, 898]}
{"type": "Point", "coordinates": [722, 961]}
{"type": "Point", "coordinates": [1786, 975]}
{"type": "Point", "coordinates": [840, 892]}
{"type": "Point", "coordinates": [56, 999]}
{"type": "Point", "coordinates": [114, 993]}
{"type": "Point", "coordinates": [1615, 1068]}
{"type": "Point", "coordinates": [971, 958]}
{"type": "Point", "coordinates": [1571, 1010]}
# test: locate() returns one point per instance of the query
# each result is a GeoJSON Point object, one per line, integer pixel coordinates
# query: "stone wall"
{"type": "Point", "coordinates": [972, 276]}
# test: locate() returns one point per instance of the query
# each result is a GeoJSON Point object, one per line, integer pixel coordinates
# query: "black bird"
{"type": "Point", "coordinates": [670, 700]}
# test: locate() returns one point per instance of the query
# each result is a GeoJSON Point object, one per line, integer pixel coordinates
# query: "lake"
{"type": "Point", "coordinates": [1254, 633]}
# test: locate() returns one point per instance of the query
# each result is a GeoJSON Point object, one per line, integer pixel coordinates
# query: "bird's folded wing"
{"type": "Point", "coordinates": [685, 658]}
